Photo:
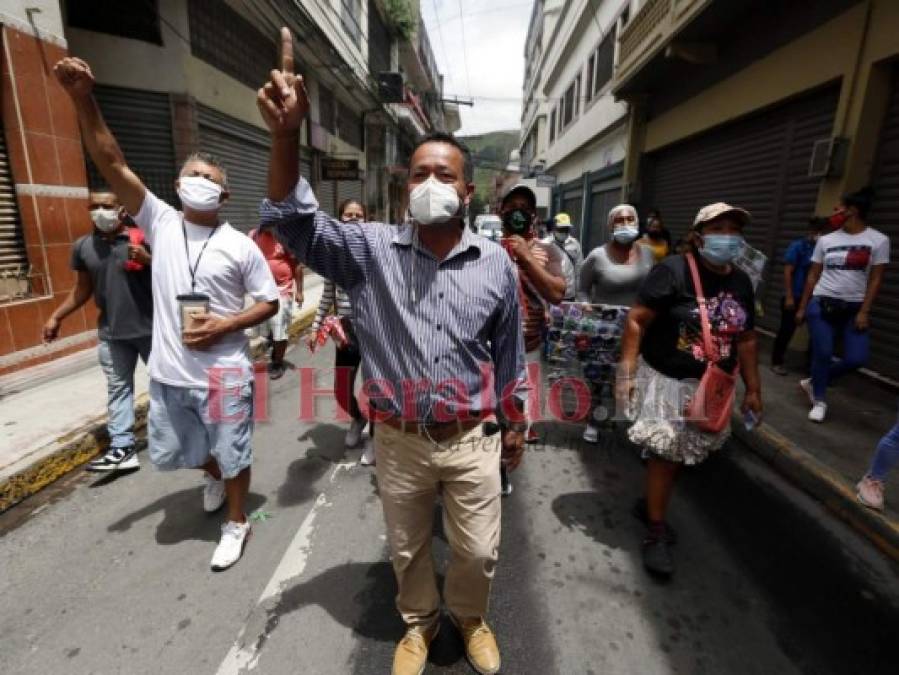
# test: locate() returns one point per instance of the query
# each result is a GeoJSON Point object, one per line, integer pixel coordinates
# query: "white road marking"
{"type": "Point", "coordinates": [244, 653]}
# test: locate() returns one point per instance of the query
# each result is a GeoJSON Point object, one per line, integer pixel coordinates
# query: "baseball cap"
{"type": "Point", "coordinates": [717, 210]}
{"type": "Point", "coordinates": [523, 190]}
{"type": "Point", "coordinates": [563, 220]}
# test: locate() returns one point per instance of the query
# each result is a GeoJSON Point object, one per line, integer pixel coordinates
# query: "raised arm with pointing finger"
{"type": "Point", "coordinates": [284, 104]}
{"type": "Point", "coordinates": [76, 78]}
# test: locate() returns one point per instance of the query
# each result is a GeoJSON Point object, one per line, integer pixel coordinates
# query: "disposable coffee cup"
{"type": "Point", "coordinates": [190, 306]}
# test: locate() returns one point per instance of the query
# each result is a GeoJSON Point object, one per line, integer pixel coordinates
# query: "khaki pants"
{"type": "Point", "coordinates": [410, 470]}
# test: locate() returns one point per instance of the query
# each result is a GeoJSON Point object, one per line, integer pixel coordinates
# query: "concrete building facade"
{"type": "Point", "coordinates": [573, 129]}
{"type": "Point", "coordinates": [176, 76]}
{"type": "Point", "coordinates": [780, 110]}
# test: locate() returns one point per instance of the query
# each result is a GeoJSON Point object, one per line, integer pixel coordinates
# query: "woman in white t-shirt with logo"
{"type": "Point", "coordinates": [845, 277]}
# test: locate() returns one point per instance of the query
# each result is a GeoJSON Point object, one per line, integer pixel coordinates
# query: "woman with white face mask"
{"type": "Point", "coordinates": [612, 273]}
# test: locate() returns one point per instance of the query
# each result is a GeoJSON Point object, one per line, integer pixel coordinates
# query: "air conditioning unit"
{"type": "Point", "coordinates": [828, 157]}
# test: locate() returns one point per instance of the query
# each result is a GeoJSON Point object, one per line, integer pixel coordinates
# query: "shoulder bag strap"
{"type": "Point", "coordinates": [703, 308]}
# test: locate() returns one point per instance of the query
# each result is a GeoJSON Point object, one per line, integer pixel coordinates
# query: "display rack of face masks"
{"type": "Point", "coordinates": [584, 341]}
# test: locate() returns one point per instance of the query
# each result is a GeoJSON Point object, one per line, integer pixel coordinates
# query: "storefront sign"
{"type": "Point", "coordinates": [340, 169]}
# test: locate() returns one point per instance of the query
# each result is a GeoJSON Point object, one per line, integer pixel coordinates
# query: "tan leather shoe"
{"type": "Point", "coordinates": [480, 644]}
{"type": "Point", "coordinates": [412, 652]}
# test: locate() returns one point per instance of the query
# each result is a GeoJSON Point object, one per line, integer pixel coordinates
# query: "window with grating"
{"type": "Point", "coordinates": [13, 255]}
{"type": "Point", "coordinates": [135, 20]}
{"type": "Point", "coordinates": [349, 126]}
{"type": "Point", "coordinates": [552, 126]}
{"type": "Point", "coordinates": [568, 105]}
{"type": "Point", "coordinates": [591, 67]}
{"type": "Point", "coordinates": [224, 39]}
{"type": "Point", "coordinates": [378, 41]}
{"type": "Point", "coordinates": [327, 109]}
{"type": "Point", "coordinates": [605, 62]}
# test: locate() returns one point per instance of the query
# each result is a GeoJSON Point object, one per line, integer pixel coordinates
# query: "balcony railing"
{"type": "Point", "coordinates": [657, 22]}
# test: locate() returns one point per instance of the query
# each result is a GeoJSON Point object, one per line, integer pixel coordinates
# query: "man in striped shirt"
{"type": "Point", "coordinates": [435, 306]}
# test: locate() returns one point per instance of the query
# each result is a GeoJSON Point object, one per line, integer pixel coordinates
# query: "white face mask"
{"type": "Point", "coordinates": [433, 202]}
{"type": "Point", "coordinates": [199, 194]}
{"type": "Point", "coordinates": [561, 236]}
{"type": "Point", "coordinates": [626, 234]}
{"type": "Point", "coordinates": [105, 220]}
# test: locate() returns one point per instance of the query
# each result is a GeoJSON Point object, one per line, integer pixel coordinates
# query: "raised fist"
{"type": "Point", "coordinates": [75, 76]}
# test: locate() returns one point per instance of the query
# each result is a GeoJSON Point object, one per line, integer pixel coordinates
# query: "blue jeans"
{"type": "Point", "coordinates": [887, 454]}
{"type": "Point", "coordinates": [823, 331]}
{"type": "Point", "coordinates": [118, 358]}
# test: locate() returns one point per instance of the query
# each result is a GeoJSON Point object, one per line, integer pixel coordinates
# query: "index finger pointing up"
{"type": "Point", "coordinates": [286, 51]}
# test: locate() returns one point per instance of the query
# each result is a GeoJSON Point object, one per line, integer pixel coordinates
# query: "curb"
{"type": "Point", "coordinates": [87, 441]}
{"type": "Point", "coordinates": [821, 482]}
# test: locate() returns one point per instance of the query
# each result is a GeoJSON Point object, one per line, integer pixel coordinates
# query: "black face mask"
{"type": "Point", "coordinates": [517, 221]}
{"type": "Point", "coordinates": [654, 234]}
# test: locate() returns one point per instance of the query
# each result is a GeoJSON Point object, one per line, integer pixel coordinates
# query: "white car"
{"type": "Point", "coordinates": [489, 225]}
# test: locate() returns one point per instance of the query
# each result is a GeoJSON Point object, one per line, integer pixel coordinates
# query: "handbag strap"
{"type": "Point", "coordinates": [703, 308]}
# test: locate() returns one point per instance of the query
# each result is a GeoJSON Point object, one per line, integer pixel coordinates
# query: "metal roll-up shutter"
{"type": "Point", "coordinates": [306, 169]}
{"type": "Point", "coordinates": [13, 255]}
{"type": "Point", "coordinates": [244, 150]}
{"type": "Point", "coordinates": [349, 189]}
{"type": "Point", "coordinates": [326, 192]}
{"type": "Point", "coordinates": [603, 197]}
{"type": "Point", "coordinates": [884, 216]}
{"type": "Point", "coordinates": [142, 123]}
{"type": "Point", "coordinates": [572, 203]}
{"type": "Point", "coordinates": [760, 163]}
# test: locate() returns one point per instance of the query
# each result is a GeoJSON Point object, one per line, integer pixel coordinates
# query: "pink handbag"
{"type": "Point", "coordinates": [710, 408]}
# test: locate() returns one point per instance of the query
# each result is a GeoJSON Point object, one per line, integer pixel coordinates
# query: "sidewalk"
{"type": "Point", "coordinates": [828, 459]}
{"type": "Point", "coordinates": [53, 416]}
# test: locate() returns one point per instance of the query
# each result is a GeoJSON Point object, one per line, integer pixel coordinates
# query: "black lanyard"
{"type": "Point", "coordinates": [193, 270]}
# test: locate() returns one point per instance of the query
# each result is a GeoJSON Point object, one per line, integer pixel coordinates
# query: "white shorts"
{"type": "Point", "coordinates": [278, 325]}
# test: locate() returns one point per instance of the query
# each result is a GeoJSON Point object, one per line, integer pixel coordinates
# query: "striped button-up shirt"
{"type": "Point", "coordinates": [429, 330]}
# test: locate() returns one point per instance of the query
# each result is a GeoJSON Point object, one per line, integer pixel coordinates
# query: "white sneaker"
{"type": "Point", "coordinates": [354, 434]}
{"type": "Point", "coordinates": [368, 454]}
{"type": "Point", "coordinates": [591, 434]}
{"type": "Point", "coordinates": [818, 412]}
{"type": "Point", "coordinates": [231, 545]}
{"type": "Point", "coordinates": [213, 494]}
{"type": "Point", "coordinates": [806, 386]}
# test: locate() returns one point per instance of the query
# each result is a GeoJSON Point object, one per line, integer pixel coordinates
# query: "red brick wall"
{"type": "Point", "coordinates": [48, 134]}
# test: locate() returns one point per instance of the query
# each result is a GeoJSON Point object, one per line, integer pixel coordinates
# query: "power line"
{"type": "Point", "coordinates": [464, 48]}
{"type": "Point", "coordinates": [442, 41]}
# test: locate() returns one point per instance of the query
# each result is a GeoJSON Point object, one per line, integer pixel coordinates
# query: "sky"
{"type": "Point", "coordinates": [491, 45]}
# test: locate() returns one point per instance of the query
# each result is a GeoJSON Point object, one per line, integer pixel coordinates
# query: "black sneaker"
{"type": "Point", "coordinates": [115, 459]}
{"type": "Point", "coordinates": [639, 512]}
{"type": "Point", "coordinates": [506, 484]}
{"type": "Point", "coordinates": [276, 370]}
{"type": "Point", "coordinates": [657, 556]}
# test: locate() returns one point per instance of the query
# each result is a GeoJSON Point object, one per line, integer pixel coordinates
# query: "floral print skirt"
{"type": "Point", "coordinates": [659, 426]}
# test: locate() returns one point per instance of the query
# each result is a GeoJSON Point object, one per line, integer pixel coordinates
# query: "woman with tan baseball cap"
{"type": "Point", "coordinates": [695, 313]}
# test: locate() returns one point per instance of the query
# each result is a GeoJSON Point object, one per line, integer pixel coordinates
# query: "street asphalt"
{"type": "Point", "coordinates": [110, 575]}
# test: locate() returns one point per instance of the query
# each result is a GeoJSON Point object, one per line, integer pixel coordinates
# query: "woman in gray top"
{"type": "Point", "coordinates": [613, 272]}
{"type": "Point", "coordinates": [611, 275]}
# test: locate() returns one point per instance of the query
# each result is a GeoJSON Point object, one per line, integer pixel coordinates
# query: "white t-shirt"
{"type": "Point", "coordinates": [847, 260]}
{"type": "Point", "coordinates": [230, 268]}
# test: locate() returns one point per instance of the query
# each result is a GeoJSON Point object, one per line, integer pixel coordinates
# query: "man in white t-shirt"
{"type": "Point", "coordinates": [201, 388]}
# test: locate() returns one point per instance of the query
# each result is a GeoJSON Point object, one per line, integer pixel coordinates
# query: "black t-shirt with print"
{"type": "Point", "coordinates": [673, 343]}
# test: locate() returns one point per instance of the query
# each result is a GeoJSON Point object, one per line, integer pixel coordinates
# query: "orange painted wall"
{"type": "Point", "coordinates": [50, 136]}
